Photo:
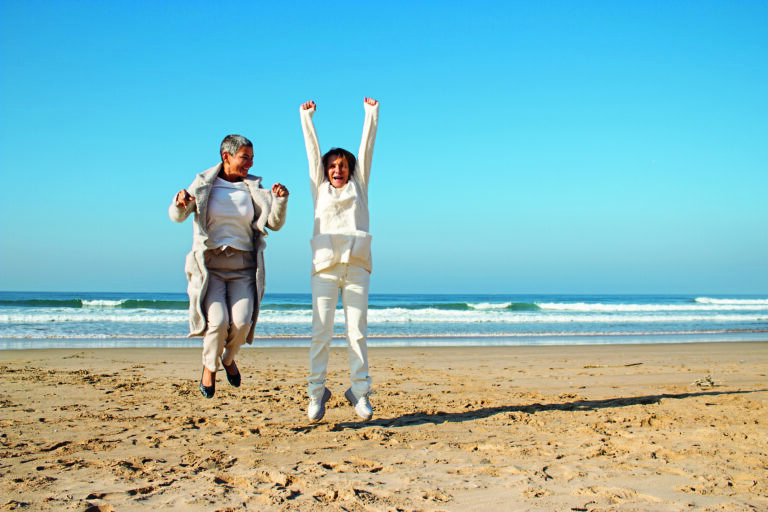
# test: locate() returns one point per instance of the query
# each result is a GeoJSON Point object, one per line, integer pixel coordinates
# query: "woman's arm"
{"type": "Point", "coordinates": [365, 154]}
{"type": "Point", "coordinates": [183, 204]}
{"type": "Point", "coordinates": [276, 217]}
{"type": "Point", "coordinates": [311, 143]}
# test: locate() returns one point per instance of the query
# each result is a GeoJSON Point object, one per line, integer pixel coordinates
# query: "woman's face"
{"type": "Point", "coordinates": [236, 166]}
{"type": "Point", "coordinates": [338, 171]}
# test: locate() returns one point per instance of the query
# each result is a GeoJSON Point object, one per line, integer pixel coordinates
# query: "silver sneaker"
{"type": "Point", "coordinates": [316, 409]}
{"type": "Point", "coordinates": [362, 405]}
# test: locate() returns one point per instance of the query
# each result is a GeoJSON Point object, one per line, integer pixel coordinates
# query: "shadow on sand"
{"type": "Point", "coordinates": [576, 405]}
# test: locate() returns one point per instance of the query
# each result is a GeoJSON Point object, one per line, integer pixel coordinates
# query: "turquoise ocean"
{"type": "Point", "coordinates": [82, 320]}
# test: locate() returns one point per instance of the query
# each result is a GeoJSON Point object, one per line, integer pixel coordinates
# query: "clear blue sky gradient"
{"type": "Point", "coordinates": [553, 147]}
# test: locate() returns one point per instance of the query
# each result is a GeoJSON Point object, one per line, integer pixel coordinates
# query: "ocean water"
{"type": "Point", "coordinates": [53, 319]}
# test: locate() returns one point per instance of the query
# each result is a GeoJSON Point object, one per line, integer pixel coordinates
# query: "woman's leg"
{"type": "Point", "coordinates": [325, 297]}
{"type": "Point", "coordinates": [241, 294]}
{"type": "Point", "coordinates": [217, 315]}
{"type": "Point", "coordinates": [354, 297]}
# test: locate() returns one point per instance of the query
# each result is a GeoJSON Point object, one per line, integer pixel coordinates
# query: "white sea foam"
{"type": "Point", "coordinates": [400, 315]}
{"type": "Point", "coordinates": [732, 302]}
{"type": "Point", "coordinates": [102, 303]}
{"type": "Point", "coordinates": [586, 307]}
{"type": "Point", "coordinates": [150, 316]}
{"type": "Point", "coordinates": [511, 317]}
{"type": "Point", "coordinates": [85, 316]}
{"type": "Point", "coordinates": [490, 305]}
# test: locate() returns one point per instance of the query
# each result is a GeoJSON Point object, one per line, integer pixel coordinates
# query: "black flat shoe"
{"type": "Point", "coordinates": [207, 391]}
{"type": "Point", "coordinates": [235, 379]}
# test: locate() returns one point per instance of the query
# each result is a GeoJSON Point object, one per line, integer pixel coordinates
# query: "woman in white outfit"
{"type": "Point", "coordinates": [225, 269]}
{"type": "Point", "coordinates": [341, 258]}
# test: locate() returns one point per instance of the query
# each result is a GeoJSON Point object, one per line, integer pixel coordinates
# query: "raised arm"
{"type": "Point", "coordinates": [311, 143]}
{"type": "Point", "coordinates": [365, 154]}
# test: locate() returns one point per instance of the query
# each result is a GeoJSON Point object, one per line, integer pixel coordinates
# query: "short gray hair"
{"type": "Point", "coordinates": [232, 144]}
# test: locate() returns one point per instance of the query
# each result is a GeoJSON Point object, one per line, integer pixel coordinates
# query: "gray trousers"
{"type": "Point", "coordinates": [228, 304]}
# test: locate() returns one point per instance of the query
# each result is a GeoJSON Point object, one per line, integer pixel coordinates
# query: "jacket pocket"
{"type": "Point", "coordinates": [192, 269]}
{"type": "Point", "coordinates": [322, 249]}
{"type": "Point", "coordinates": [361, 248]}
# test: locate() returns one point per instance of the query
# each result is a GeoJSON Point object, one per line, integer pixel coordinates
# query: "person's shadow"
{"type": "Point", "coordinates": [437, 418]}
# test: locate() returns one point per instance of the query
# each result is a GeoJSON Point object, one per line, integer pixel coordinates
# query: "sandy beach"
{"type": "Point", "coordinates": [664, 427]}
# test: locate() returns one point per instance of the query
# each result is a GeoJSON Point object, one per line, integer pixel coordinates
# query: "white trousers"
{"type": "Point", "coordinates": [228, 305]}
{"type": "Point", "coordinates": [352, 281]}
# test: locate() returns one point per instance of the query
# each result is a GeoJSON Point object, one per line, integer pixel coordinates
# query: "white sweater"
{"type": "Point", "coordinates": [230, 213]}
{"type": "Point", "coordinates": [341, 215]}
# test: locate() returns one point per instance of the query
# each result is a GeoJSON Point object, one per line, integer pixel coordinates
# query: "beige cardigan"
{"type": "Point", "coordinates": [269, 212]}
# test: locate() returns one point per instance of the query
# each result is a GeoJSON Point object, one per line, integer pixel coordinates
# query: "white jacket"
{"type": "Point", "coordinates": [341, 232]}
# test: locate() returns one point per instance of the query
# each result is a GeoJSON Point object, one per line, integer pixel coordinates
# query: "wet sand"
{"type": "Point", "coordinates": [664, 427]}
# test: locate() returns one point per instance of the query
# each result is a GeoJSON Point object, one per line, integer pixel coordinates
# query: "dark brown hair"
{"type": "Point", "coordinates": [349, 157]}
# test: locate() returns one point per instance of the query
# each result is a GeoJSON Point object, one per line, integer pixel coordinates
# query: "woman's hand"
{"type": "Point", "coordinates": [184, 198]}
{"type": "Point", "coordinates": [372, 102]}
{"type": "Point", "coordinates": [308, 105]}
{"type": "Point", "coordinates": [280, 190]}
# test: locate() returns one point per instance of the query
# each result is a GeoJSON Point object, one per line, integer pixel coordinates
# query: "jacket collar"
{"type": "Point", "coordinates": [204, 191]}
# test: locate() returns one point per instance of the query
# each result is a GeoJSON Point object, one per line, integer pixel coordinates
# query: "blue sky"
{"type": "Point", "coordinates": [524, 147]}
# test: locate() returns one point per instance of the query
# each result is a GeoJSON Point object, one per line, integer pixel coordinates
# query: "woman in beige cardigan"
{"type": "Point", "coordinates": [225, 269]}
